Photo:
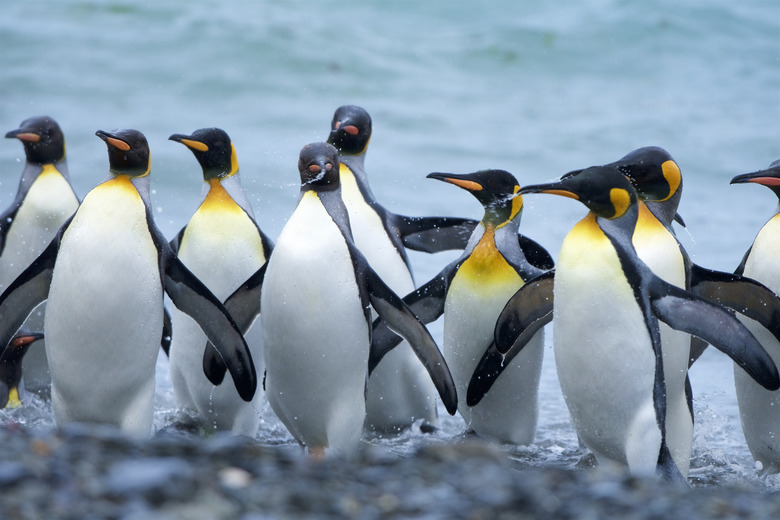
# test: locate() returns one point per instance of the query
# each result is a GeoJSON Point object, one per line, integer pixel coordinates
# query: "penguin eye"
{"type": "Point", "coordinates": [329, 166]}
{"type": "Point", "coordinates": [315, 168]}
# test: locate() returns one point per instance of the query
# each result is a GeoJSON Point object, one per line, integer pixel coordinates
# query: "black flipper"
{"type": "Point", "coordinates": [400, 318]}
{"type": "Point", "coordinates": [666, 467]}
{"type": "Point", "coordinates": [427, 303]}
{"type": "Point", "coordinates": [191, 296]}
{"type": "Point", "coordinates": [488, 369]}
{"type": "Point", "coordinates": [176, 242]}
{"type": "Point", "coordinates": [29, 289]}
{"type": "Point", "coordinates": [167, 333]}
{"type": "Point", "coordinates": [693, 314]}
{"type": "Point", "coordinates": [244, 306]}
{"type": "Point", "coordinates": [7, 218]}
{"type": "Point", "coordinates": [530, 309]}
{"type": "Point", "coordinates": [434, 234]}
{"type": "Point", "coordinates": [536, 255]}
{"type": "Point", "coordinates": [741, 267]}
{"type": "Point", "coordinates": [740, 293]}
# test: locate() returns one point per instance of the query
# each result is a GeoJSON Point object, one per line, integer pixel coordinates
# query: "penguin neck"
{"type": "Point", "coordinates": [665, 210]}
{"type": "Point", "coordinates": [332, 202]}
{"type": "Point", "coordinates": [227, 186]}
{"type": "Point", "coordinates": [32, 171]}
{"type": "Point", "coordinates": [355, 165]}
{"type": "Point", "coordinates": [620, 231]}
{"type": "Point", "coordinates": [141, 184]}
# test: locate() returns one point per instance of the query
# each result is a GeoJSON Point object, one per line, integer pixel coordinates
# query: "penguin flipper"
{"type": "Point", "coordinates": [693, 314]}
{"type": "Point", "coordinates": [427, 303]}
{"type": "Point", "coordinates": [244, 306]}
{"type": "Point", "coordinates": [167, 332]}
{"type": "Point", "coordinates": [29, 289]}
{"type": "Point", "coordinates": [434, 234]}
{"type": "Point", "coordinates": [191, 296]}
{"type": "Point", "coordinates": [176, 241]}
{"type": "Point", "coordinates": [536, 255]}
{"type": "Point", "coordinates": [488, 369]}
{"type": "Point", "coordinates": [400, 318]}
{"type": "Point", "coordinates": [740, 293]}
{"type": "Point", "coordinates": [7, 218]}
{"type": "Point", "coordinates": [530, 309]}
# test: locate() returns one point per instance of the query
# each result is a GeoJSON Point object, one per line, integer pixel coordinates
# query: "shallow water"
{"type": "Point", "coordinates": [535, 89]}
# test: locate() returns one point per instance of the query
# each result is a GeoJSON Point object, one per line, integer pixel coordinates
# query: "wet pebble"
{"type": "Point", "coordinates": [85, 472]}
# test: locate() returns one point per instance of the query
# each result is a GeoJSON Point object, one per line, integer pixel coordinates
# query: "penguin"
{"type": "Point", "coordinates": [11, 367]}
{"type": "Point", "coordinates": [612, 366]}
{"type": "Point", "coordinates": [44, 201]}
{"type": "Point", "coordinates": [316, 293]}
{"type": "Point", "coordinates": [223, 246]}
{"type": "Point", "coordinates": [658, 181]}
{"type": "Point", "coordinates": [104, 275]}
{"type": "Point", "coordinates": [470, 292]}
{"type": "Point", "coordinates": [383, 236]}
{"type": "Point", "coordinates": [759, 409]}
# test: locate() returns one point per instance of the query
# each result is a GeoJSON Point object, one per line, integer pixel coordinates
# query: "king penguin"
{"type": "Point", "coordinates": [610, 358]}
{"type": "Point", "coordinates": [11, 368]}
{"type": "Point", "coordinates": [44, 201]}
{"type": "Point", "coordinates": [399, 391]}
{"type": "Point", "coordinates": [317, 292]}
{"type": "Point", "coordinates": [103, 275]}
{"type": "Point", "coordinates": [470, 292]}
{"type": "Point", "coordinates": [759, 409]}
{"type": "Point", "coordinates": [223, 246]}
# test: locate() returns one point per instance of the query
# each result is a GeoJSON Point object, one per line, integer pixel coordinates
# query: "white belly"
{"type": "Point", "coordinates": [315, 333]}
{"type": "Point", "coordinates": [400, 390]}
{"type": "Point", "coordinates": [603, 354]}
{"type": "Point", "coordinates": [223, 249]}
{"type": "Point", "coordinates": [656, 246]}
{"type": "Point", "coordinates": [509, 412]}
{"type": "Point", "coordinates": [47, 205]}
{"type": "Point", "coordinates": [104, 316]}
{"type": "Point", "coordinates": [759, 408]}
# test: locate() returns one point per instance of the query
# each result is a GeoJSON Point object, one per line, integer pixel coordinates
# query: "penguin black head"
{"type": "Point", "coordinates": [496, 190]}
{"type": "Point", "coordinates": [11, 365]}
{"type": "Point", "coordinates": [318, 165]}
{"type": "Point", "coordinates": [602, 189]}
{"type": "Point", "coordinates": [350, 130]}
{"type": "Point", "coordinates": [128, 152]}
{"type": "Point", "coordinates": [214, 151]}
{"type": "Point", "coordinates": [43, 140]}
{"type": "Point", "coordinates": [652, 171]}
{"type": "Point", "coordinates": [769, 178]}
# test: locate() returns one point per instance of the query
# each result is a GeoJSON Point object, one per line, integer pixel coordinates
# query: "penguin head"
{"type": "Point", "coordinates": [17, 348]}
{"type": "Point", "coordinates": [769, 178]}
{"type": "Point", "coordinates": [654, 174]}
{"type": "Point", "coordinates": [214, 151]}
{"type": "Point", "coordinates": [128, 152]}
{"type": "Point", "coordinates": [318, 165]}
{"type": "Point", "coordinates": [497, 190]}
{"type": "Point", "coordinates": [602, 189]}
{"type": "Point", "coordinates": [350, 130]}
{"type": "Point", "coordinates": [43, 140]}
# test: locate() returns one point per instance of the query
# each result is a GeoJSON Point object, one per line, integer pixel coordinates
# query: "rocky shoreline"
{"type": "Point", "coordinates": [94, 472]}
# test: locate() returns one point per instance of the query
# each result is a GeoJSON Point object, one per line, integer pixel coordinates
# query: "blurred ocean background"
{"type": "Point", "coordinates": [538, 89]}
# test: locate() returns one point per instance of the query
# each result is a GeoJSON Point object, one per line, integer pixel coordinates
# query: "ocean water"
{"type": "Point", "coordinates": [537, 89]}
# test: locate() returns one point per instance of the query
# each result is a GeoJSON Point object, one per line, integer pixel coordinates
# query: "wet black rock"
{"type": "Point", "coordinates": [92, 472]}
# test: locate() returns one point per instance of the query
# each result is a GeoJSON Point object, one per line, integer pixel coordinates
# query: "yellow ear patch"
{"type": "Point", "coordinates": [620, 199]}
{"type": "Point", "coordinates": [13, 399]}
{"type": "Point", "coordinates": [195, 145]}
{"type": "Point", "coordinates": [466, 185]}
{"type": "Point", "coordinates": [673, 177]}
{"type": "Point", "coordinates": [233, 159]}
{"type": "Point", "coordinates": [118, 143]}
{"type": "Point", "coordinates": [517, 204]}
